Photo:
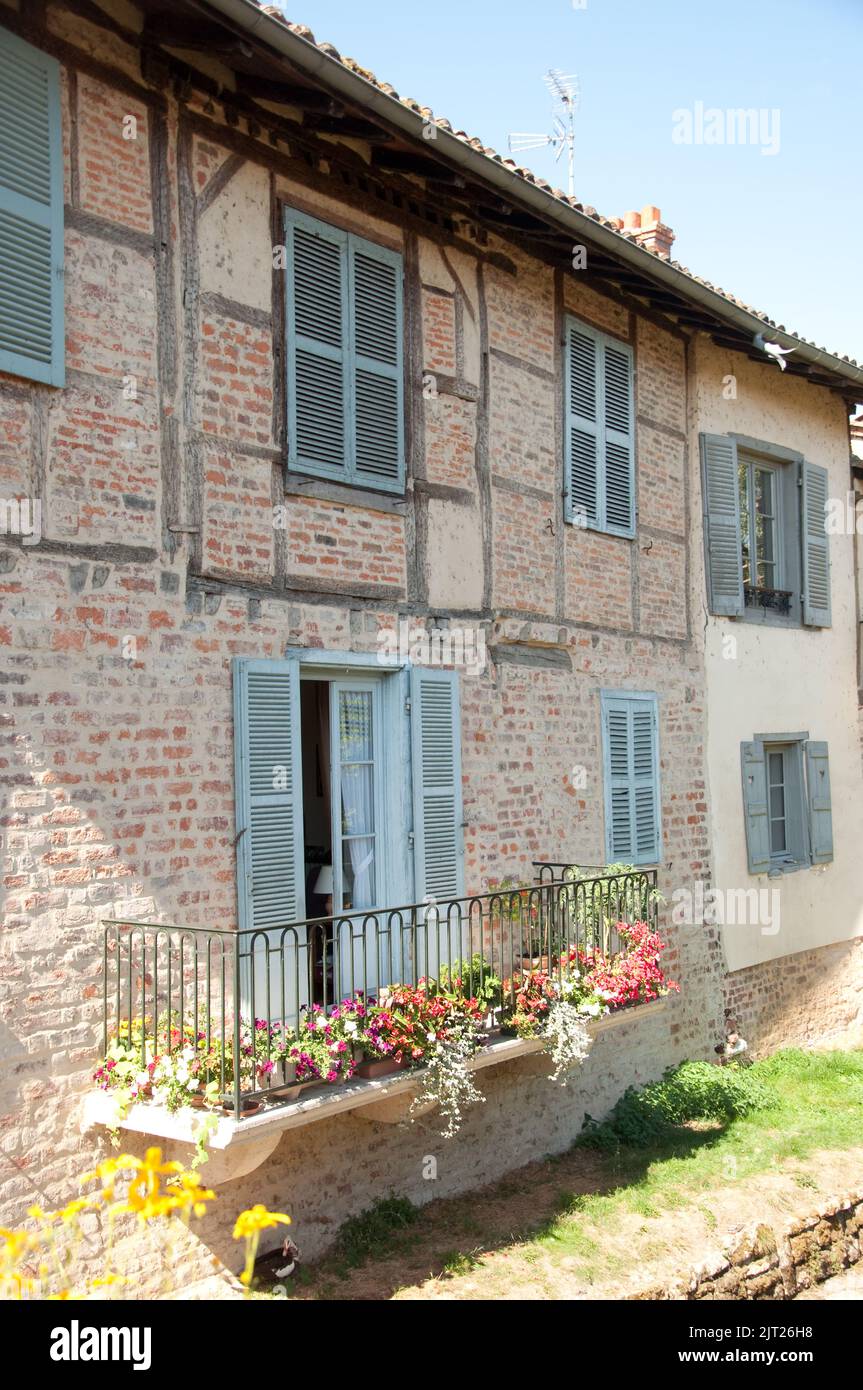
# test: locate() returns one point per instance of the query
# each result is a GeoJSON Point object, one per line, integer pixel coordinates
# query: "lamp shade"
{"type": "Point", "coordinates": [324, 881]}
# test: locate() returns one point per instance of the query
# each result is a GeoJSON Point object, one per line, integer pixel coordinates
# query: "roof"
{"type": "Point", "coordinates": [323, 63]}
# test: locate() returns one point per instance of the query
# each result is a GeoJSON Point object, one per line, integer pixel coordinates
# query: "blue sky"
{"type": "Point", "coordinates": [783, 232]}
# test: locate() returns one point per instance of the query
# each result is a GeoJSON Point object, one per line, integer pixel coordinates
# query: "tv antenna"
{"type": "Point", "coordinates": [564, 90]}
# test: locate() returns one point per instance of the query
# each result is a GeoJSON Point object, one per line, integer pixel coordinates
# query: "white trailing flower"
{"type": "Point", "coordinates": [447, 1081]}
{"type": "Point", "coordinates": [566, 1038]}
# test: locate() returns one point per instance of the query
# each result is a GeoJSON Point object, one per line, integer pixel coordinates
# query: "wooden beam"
{"type": "Point", "coordinates": [287, 94]}
{"type": "Point", "coordinates": [408, 162]}
{"type": "Point", "coordinates": [350, 126]}
{"type": "Point", "coordinates": [197, 35]}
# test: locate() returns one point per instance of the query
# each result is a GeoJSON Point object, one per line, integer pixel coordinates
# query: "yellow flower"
{"type": "Point", "coordinates": [258, 1219]}
{"type": "Point", "coordinates": [15, 1243]}
{"type": "Point", "coordinates": [187, 1194]}
{"type": "Point", "coordinates": [39, 1215]}
{"type": "Point", "coordinates": [73, 1208]}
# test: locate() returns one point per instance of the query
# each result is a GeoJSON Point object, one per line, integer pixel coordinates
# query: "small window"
{"type": "Point", "coordinates": [345, 359]}
{"type": "Point", "coordinates": [630, 737]}
{"type": "Point", "coordinates": [786, 803]}
{"type": "Point", "coordinates": [599, 431]}
{"type": "Point", "coordinates": [767, 549]}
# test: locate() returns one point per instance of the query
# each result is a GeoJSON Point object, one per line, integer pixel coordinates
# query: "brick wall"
{"type": "Point", "coordinates": [160, 564]}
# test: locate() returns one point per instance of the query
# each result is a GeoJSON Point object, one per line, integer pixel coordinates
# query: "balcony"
{"type": "Point", "coordinates": [243, 1034]}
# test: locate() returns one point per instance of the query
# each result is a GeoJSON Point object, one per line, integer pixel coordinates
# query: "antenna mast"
{"type": "Point", "coordinates": [564, 90]}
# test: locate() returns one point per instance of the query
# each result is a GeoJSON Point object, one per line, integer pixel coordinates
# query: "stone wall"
{"type": "Point", "coordinates": [766, 1263]}
{"type": "Point", "coordinates": [812, 997]}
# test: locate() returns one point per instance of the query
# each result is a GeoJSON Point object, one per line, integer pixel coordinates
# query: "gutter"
{"type": "Point", "coordinates": [357, 90]}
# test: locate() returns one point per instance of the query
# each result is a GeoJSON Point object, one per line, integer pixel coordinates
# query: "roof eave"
{"type": "Point", "coordinates": [357, 89]}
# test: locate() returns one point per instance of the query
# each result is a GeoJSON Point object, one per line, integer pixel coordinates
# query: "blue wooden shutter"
{"type": "Point", "coordinates": [436, 769]}
{"type": "Point", "coordinates": [631, 755]}
{"type": "Point", "coordinates": [816, 547]}
{"type": "Point", "coordinates": [582, 427]}
{"type": "Point", "coordinates": [754, 773]}
{"type": "Point", "coordinates": [820, 812]}
{"type": "Point", "coordinates": [268, 793]}
{"type": "Point", "coordinates": [723, 558]}
{"type": "Point", "coordinates": [377, 364]}
{"type": "Point", "coordinates": [318, 346]}
{"type": "Point", "coordinates": [599, 431]}
{"type": "Point", "coordinates": [31, 213]}
{"type": "Point", "coordinates": [619, 443]}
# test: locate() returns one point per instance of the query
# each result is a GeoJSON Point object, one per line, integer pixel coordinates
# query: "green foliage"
{"type": "Point", "coordinates": [374, 1231]}
{"type": "Point", "coordinates": [599, 898]}
{"type": "Point", "coordinates": [472, 978]}
{"type": "Point", "coordinates": [692, 1091]}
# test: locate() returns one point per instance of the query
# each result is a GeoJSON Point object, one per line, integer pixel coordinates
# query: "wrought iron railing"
{"type": "Point", "coordinates": [221, 991]}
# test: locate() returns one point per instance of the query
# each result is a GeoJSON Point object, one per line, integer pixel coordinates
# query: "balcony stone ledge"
{"type": "Point", "coordinates": [236, 1148]}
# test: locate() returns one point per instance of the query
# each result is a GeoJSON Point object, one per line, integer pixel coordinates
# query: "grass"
{"type": "Point", "coordinates": [809, 1102]}
{"type": "Point", "coordinates": [668, 1161]}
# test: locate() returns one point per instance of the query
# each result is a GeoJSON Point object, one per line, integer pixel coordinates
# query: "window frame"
{"type": "Point", "coordinates": [351, 360]}
{"type": "Point", "coordinates": [789, 466]}
{"type": "Point", "coordinates": [753, 463]}
{"type": "Point", "coordinates": [798, 853]}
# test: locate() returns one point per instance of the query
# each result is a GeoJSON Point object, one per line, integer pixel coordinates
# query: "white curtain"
{"type": "Point", "coordinates": [357, 778]}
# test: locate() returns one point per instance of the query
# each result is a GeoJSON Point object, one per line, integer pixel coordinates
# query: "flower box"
{"type": "Point", "coordinates": [374, 1067]}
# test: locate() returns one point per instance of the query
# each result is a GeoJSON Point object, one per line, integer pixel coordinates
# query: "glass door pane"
{"type": "Point", "coordinates": [356, 797]}
{"type": "Point", "coordinates": [357, 785]}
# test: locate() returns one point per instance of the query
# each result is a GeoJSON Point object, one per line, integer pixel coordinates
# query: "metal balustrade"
{"type": "Point", "coordinates": [222, 992]}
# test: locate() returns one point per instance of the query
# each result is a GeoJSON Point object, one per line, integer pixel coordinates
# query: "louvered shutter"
{"type": "Point", "coordinates": [436, 770]}
{"type": "Point", "coordinates": [722, 541]}
{"type": "Point", "coordinates": [754, 773]}
{"type": "Point", "coordinates": [820, 811]}
{"type": "Point", "coordinates": [31, 213]}
{"type": "Point", "coordinates": [816, 552]}
{"type": "Point", "coordinates": [631, 753]}
{"type": "Point", "coordinates": [583, 435]}
{"type": "Point", "coordinates": [620, 834]}
{"type": "Point", "coordinates": [645, 782]}
{"type": "Point", "coordinates": [377, 365]}
{"type": "Point", "coordinates": [619, 451]}
{"type": "Point", "coordinates": [268, 793]}
{"type": "Point", "coordinates": [318, 346]}
{"type": "Point", "coordinates": [599, 440]}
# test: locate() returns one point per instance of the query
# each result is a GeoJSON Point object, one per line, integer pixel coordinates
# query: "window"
{"type": "Point", "coordinates": [599, 431]}
{"type": "Point", "coordinates": [766, 546]}
{"type": "Point", "coordinates": [786, 801]}
{"type": "Point", "coordinates": [31, 213]}
{"type": "Point", "coordinates": [348, 798]}
{"type": "Point", "coordinates": [759, 524]}
{"type": "Point", "coordinates": [630, 738]}
{"type": "Point", "coordinates": [345, 360]}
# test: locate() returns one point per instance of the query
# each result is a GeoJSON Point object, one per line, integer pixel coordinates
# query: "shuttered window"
{"type": "Point", "coordinates": [599, 431]}
{"type": "Point", "coordinates": [31, 213]}
{"type": "Point", "coordinates": [630, 737]}
{"type": "Point", "coordinates": [788, 817]}
{"type": "Point", "coordinates": [436, 771]}
{"type": "Point", "coordinates": [765, 540]}
{"type": "Point", "coordinates": [269, 790]}
{"type": "Point", "coordinates": [345, 361]}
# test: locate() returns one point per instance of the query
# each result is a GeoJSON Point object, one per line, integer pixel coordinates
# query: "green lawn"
{"type": "Point", "coordinates": [694, 1155]}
